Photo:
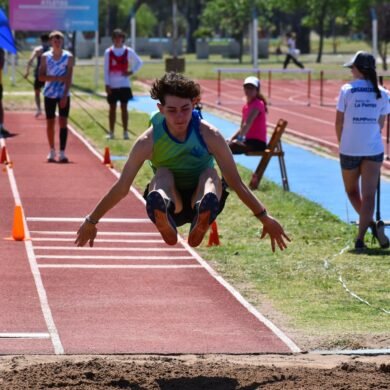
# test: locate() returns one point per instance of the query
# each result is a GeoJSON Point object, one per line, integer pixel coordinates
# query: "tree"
{"type": "Point", "coordinates": [231, 17]}
{"type": "Point", "coordinates": [318, 14]}
{"type": "Point", "coordinates": [360, 17]}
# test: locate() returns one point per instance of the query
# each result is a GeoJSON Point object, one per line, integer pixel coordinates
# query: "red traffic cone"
{"type": "Point", "coordinates": [18, 226]}
{"type": "Point", "coordinates": [107, 158]}
{"type": "Point", "coordinates": [3, 158]}
{"type": "Point", "coordinates": [214, 237]}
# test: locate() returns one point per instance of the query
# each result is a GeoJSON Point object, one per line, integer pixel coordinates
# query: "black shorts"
{"type": "Point", "coordinates": [50, 108]}
{"type": "Point", "coordinates": [122, 95]}
{"type": "Point", "coordinates": [187, 214]}
{"type": "Point", "coordinates": [38, 84]}
{"type": "Point", "coordinates": [249, 145]}
{"type": "Point", "coordinates": [353, 162]}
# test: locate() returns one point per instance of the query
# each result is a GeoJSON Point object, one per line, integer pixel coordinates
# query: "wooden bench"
{"type": "Point", "coordinates": [274, 149]}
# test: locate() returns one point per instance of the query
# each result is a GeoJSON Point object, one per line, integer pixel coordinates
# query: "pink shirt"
{"type": "Point", "coordinates": [258, 129]}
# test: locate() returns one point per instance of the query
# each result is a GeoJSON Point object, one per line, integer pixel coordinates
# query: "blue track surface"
{"type": "Point", "coordinates": [315, 177]}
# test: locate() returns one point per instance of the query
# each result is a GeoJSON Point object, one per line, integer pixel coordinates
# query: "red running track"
{"type": "Point", "coordinates": [130, 294]}
{"type": "Point", "coordinates": [289, 100]}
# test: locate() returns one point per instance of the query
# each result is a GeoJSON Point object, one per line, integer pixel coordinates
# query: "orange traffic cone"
{"type": "Point", "coordinates": [214, 237]}
{"type": "Point", "coordinates": [107, 158]}
{"type": "Point", "coordinates": [18, 227]}
{"type": "Point", "coordinates": [3, 158]}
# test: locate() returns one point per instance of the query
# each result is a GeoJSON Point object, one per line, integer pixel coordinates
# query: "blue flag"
{"type": "Point", "coordinates": [6, 39]}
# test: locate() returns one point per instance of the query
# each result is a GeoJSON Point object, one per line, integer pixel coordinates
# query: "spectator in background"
{"type": "Point", "coordinates": [56, 71]}
{"type": "Point", "coordinates": [252, 133]}
{"type": "Point", "coordinates": [3, 131]}
{"type": "Point", "coordinates": [292, 52]}
{"type": "Point", "coordinates": [361, 110]}
{"type": "Point", "coordinates": [120, 62]}
{"type": "Point", "coordinates": [36, 54]}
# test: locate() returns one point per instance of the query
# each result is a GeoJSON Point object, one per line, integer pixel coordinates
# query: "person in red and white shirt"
{"type": "Point", "coordinates": [120, 62]}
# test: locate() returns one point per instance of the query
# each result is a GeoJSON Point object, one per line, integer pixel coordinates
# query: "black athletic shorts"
{"type": "Point", "coordinates": [187, 214]}
{"type": "Point", "coordinates": [38, 84]}
{"type": "Point", "coordinates": [50, 108]}
{"type": "Point", "coordinates": [122, 95]}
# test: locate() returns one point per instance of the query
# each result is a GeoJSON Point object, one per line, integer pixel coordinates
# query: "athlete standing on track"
{"type": "Point", "coordinates": [36, 54]}
{"type": "Point", "coordinates": [361, 110]}
{"type": "Point", "coordinates": [252, 134]}
{"type": "Point", "coordinates": [186, 187]}
{"type": "Point", "coordinates": [120, 62]}
{"type": "Point", "coordinates": [56, 71]}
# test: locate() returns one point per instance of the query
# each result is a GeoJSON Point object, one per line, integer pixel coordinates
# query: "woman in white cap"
{"type": "Point", "coordinates": [252, 133]}
{"type": "Point", "coordinates": [361, 110]}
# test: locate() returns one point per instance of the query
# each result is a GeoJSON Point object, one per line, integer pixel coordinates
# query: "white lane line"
{"type": "Point", "coordinates": [57, 239]}
{"type": "Point", "coordinates": [279, 333]}
{"type": "Point", "coordinates": [109, 249]}
{"type": "Point", "coordinates": [95, 266]}
{"type": "Point", "coordinates": [140, 257]}
{"type": "Point", "coordinates": [24, 335]}
{"type": "Point", "coordinates": [107, 220]}
{"type": "Point", "coordinates": [55, 338]}
{"type": "Point", "coordinates": [269, 324]}
{"type": "Point", "coordinates": [72, 233]}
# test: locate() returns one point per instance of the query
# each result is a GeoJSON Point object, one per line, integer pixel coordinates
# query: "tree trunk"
{"type": "Point", "coordinates": [321, 30]}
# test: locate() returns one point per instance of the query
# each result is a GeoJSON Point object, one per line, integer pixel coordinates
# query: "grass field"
{"type": "Point", "coordinates": [300, 288]}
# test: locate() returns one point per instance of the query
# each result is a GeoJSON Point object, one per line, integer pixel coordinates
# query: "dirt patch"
{"type": "Point", "coordinates": [223, 372]}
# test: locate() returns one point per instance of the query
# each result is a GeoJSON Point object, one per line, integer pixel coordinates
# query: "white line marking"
{"type": "Point", "coordinates": [72, 233]}
{"type": "Point", "coordinates": [294, 348]}
{"type": "Point", "coordinates": [283, 337]}
{"type": "Point", "coordinates": [24, 335]}
{"type": "Point", "coordinates": [110, 220]}
{"type": "Point", "coordinates": [95, 266]}
{"type": "Point", "coordinates": [140, 257]}
{"type": "Point", "coordinates": [58, 348]}
{"type": "Point", "coordinates": [109, 249]}
{"type": "Point", "coordinates": [100, 240]}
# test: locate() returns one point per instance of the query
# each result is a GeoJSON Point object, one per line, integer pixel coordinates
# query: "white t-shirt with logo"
{"type": "Point", "coordinates": [361, 133]}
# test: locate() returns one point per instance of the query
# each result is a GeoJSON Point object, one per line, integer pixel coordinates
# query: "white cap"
{"type": "Point", "coordinates": [252, 81]}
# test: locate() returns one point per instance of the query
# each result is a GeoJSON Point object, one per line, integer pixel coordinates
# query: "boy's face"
{"type": "Point", "coordinates": [56, 41]}
{"type": "Point", "coordinates": [177, 112]}
{"type": "Point", "coordinates": [118, 40]}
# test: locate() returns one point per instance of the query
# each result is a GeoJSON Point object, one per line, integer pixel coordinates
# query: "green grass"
{"type": "Point", "coordinates": [302, 283]}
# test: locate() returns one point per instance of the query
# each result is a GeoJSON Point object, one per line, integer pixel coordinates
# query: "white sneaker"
{"type": "Point", "coordinates": [63, 158]}
{"type": "Point", "coordinates": [110, 135]}
{"type": "Point", "coordinates": [126, 135]}
{"type": "Point", "coordinates": [38, 113]}
{"type": "Point", "coordinates": [51, 157]}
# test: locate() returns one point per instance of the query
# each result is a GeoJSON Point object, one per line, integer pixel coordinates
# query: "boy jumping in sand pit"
{"type": "Point", "coordinates": [186, 187]}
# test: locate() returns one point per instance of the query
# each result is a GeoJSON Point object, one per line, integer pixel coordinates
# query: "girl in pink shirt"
{"type": "Point", "coordinates": [252, 134]}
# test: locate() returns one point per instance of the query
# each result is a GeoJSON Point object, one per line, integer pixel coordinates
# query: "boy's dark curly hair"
{"type": "Point", "coordinates": [174, 84]}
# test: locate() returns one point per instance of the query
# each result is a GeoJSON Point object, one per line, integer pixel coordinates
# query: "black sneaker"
{"type": "Point", "coordinates": [4, 133]}
{"type": "Point", "coordinates": [360, 246]}
{"type": "Point", "coordinates": [159, 210]}
{"type": "Point", "coordinates": [378, 231]}
{"type": "Point", "coordinates": [206, 212]}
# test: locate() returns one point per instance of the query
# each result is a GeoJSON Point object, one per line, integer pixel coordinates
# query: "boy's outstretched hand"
{"type": "Point", "coordinates": [86, 233]}
{"type": "Point", "coordinates": [276, 233]}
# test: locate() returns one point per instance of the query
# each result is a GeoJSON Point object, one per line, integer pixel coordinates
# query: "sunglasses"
{"type": "Point", "coordinates": [57, 36]}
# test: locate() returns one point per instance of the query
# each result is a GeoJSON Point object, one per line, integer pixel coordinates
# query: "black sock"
{"type": "Point", "coordinates": [63, 138]}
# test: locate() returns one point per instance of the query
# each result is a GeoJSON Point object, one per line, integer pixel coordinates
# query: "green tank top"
{"type": "Point", "coordinates": [186, 160]}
